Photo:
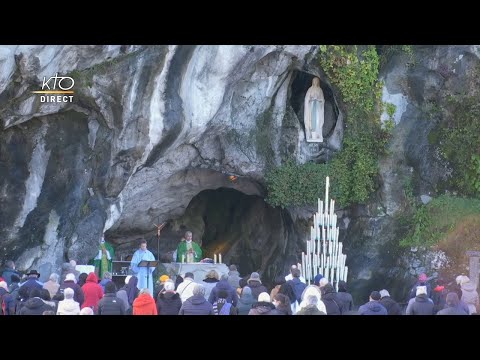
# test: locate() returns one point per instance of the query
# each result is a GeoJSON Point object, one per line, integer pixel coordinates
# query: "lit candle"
{"type": "Point", "coordinates": [214, 258]}
{"type": "Point", "coordinates": [220, 258]}
{"type": "Point", "coordinates": [183, 258]}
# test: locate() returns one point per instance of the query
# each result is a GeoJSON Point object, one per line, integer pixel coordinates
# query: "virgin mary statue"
{"type": "Point", "coordinates": [313, 112]}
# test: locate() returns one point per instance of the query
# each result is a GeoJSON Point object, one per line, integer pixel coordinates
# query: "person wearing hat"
{"type": "Point", "coordinates": [421, 304]}
{"type": "Point", "coordinates": [263, 306]}
{"type": "Point", "coordinates": [71, 282]}
{"type": "Point", "coordinates": [159, 285]}
{"type": "Point", "coordinates": [255, 284]}
{"type": "Point", "coordinates": [32, 281]}
{"type": "Point", "coordinates": [168, 301]}
{"type": "Point", "coordinates": [373, 307]}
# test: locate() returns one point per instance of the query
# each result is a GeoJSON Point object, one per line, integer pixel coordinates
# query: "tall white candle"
{"type": "Point", "coordinates": [326, 194]}
{"type": "Point", "coordinates": [183, 258]}
{"type": "Point", "coordinates": [214, 258]}
{"type": "Point", "coordinates": [220, 258]}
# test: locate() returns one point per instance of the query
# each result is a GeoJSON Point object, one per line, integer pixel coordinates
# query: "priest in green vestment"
{"type": "Point", "coordinates": [188, 251]}
{"type": "Point", "coordinates": [104, 258]}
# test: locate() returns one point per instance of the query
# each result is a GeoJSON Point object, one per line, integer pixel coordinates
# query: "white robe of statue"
{"type": "Point", "coordinates": [314, 112]}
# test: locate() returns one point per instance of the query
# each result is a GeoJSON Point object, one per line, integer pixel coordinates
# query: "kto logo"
{"type": "Point", "coordinates": [61, 85]}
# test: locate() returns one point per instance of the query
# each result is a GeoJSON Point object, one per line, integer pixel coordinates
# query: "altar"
{"type": "Point", "coordinates": [199, 270]}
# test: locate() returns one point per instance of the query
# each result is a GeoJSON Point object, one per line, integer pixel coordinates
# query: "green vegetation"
{"type": "Point", "coordinates": [459, 143]}
{"type": "Point", "coordinates": [387, 51]}
{"type": "Point", "coordinates": [354, 72]}
{"type": "Point", "coordinates": [432, 223]}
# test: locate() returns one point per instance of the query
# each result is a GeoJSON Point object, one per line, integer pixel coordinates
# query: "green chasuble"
{"type": "Point", "coordinates": [101, 261]}
{"type": "Point", "coordinates": [182, 250]}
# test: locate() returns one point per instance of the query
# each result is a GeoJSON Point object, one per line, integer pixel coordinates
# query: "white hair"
{"type": "Point", "coordinates": [127, 279]}
{"type": "Point", "coordinates": [86, 311]}
{"type": "Point", "coordinates": [199, 289]}
{"type": "Point", "coordinates": [54, 277]}
{"type": "Point", "coordinates": [145, 291]}
{"type": "Point", "coordinates": [73, 263]}
{"type": "Point", "coordinates": [384, 293]}
{"type": "Point", "coordinates": [68, 293]}
{"type": "Point", "coordinates": [323, 282]}
{"type": "Point", "coordinates": [169, 285]}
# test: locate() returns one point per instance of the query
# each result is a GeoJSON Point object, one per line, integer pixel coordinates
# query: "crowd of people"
{"type": "Point", "coordinates": [229, 294]}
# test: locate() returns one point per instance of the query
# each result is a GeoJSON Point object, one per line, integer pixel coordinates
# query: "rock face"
{"type": "Point", "coordinates": [149, 128]}
{"type": "Point", "coordinates": [154, 132]}
{"type": "Point", "coordinates": [412, 169]}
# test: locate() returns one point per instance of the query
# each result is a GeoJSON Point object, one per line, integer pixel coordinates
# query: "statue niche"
{"type": "Point", "coordinates": [314, 112]}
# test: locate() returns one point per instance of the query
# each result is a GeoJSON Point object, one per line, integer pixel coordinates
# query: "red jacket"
{"type": "Point", "coordinates": [93, 292]}
{"type": "Point", "coordinates": [144, 305]}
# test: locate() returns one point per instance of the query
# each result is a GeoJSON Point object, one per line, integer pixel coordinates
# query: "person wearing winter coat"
{"type": "Point", "coordinates": [469, 293]}
{"type": "Point", "coordinates": [439, 296]}
{"type": "Point", "coordinates": [234, 277]}
{"type": "Point", "coordinates": [70, 282]}
{"type": "Point", "coordinates": [255, 284]}
{"type": "Point", "coordinates": [312, 290]}
{"type": "Point", "coordinates": [52, 285]}
{"type": "Point", "coordinates": [196, 304]}
{"type": "Point", "coordinates": [222, 306]}
{"type": "Point", "coordinates": [373, 307]}
{"type": "Point", "coordinates": [111, 304]}
{"type": "Point", "coordinates": [421, 304]}
{"type": "Point", "coordinates": [263, 306]}
{"type": "Point", "coordinates": [93, 292]}
{"type": "Point", "coordinates": [223, 284]}
{"type": "Point", "coordinates": [245, 301]}
{"type": "Point", "coordinates": [144, 304]}
{"type": "Point", "coordinates": [422, 281]}
{"type": "Point", "coordinates": [68, 306]}
{"type": "Point", "coordinates": [452, 306]}
{"type": "Point", "coordinates": [311, 307]}
{"type": "Point", "coordinates": [344, 299]}
{"type": "Point", "coordinates": [329, 298]}
{"type": "Point", "coordinates": [35, 305]}
{"type": "Point", "coordinates": [168, 301]}
{"type": "Point", "coordinates": [393, 308]}
{"type": "Point", "coordinates": [211, 280]}
{"type": "Point", "coordinates": [282, 305]}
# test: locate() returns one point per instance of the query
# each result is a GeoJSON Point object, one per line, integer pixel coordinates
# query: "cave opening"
{"type": "Point", "coordinates": [300, 84]}
{"type": "Point", "coordinates": [243, 228]}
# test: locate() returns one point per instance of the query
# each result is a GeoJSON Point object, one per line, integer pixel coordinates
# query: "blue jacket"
{"type": "Point", "coordinates": [372, 308]}
{"type": "Point", "coordinates": [232, 297]}
{"type": "Point", "coordinates": [7, 275]}
{"type": "Point", "coordinates": [196, 305]}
